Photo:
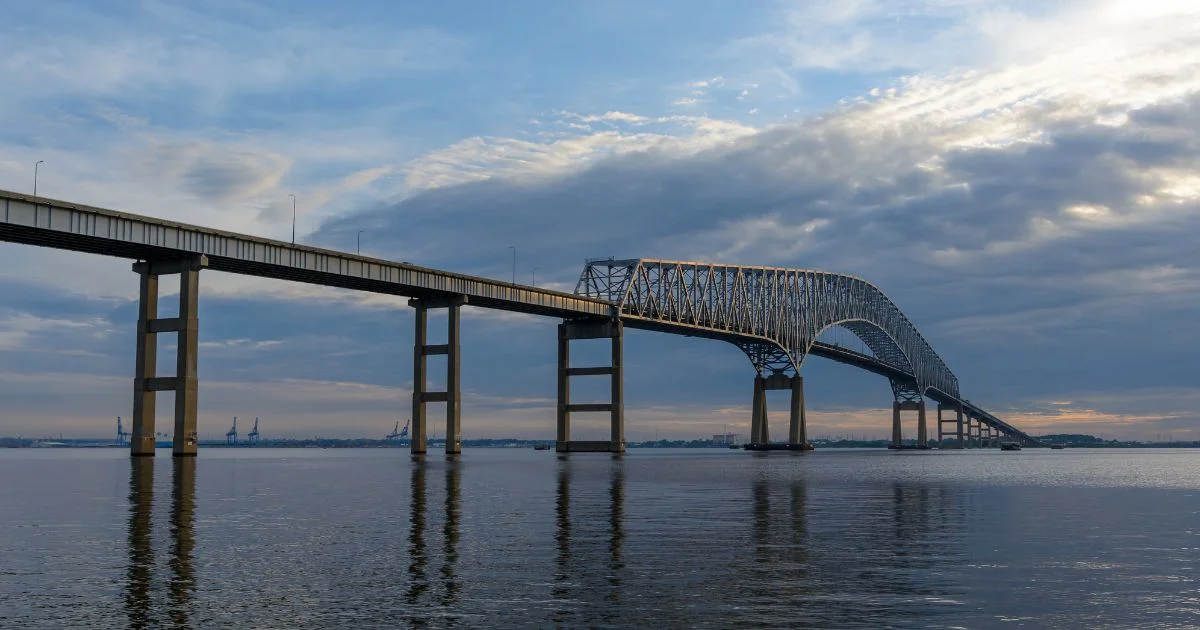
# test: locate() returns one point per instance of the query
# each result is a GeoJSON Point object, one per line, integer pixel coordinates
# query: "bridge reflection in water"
{"type": "Point", "coordinates": [140, 587]}
{"type": "Point", "coordinates": [781, 543]}
{"type": "Point", "coordinates": [610, 554]}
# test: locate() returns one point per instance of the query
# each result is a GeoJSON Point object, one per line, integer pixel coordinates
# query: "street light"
{"type": "Point", "coordinates": [293, 196]}
{"type": "Point", "coordinates": [534, 283]}
{"type": "Point", "coordinates": [35, 174]}
{"type": "Point", "coordinates": [514, 266]}
{"type": "Point", "coordinates": [358, 242]}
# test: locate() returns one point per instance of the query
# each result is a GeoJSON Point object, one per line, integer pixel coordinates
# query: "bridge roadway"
{"type": "Point", "coordinates": [168, 247]}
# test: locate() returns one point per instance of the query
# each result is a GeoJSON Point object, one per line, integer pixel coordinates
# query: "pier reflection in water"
{"type": "Point", "coordinates": [523, 539]}
{"type": "Point", "coordinates": [141, 551]}
{"type": "Point", "coordinates": [141, 575]}
{"type": "Point", "coordinates": [589, 566]}
{"type": "Point", "coordinates": [423, 608]}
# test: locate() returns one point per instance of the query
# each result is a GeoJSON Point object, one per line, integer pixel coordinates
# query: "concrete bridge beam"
{"type": "Point", "coordinates": [146, 382]}
{"type": "Point", "coordinates": [591, 329]}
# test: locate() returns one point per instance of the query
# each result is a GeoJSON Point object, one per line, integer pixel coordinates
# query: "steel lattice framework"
{"type": "Point", "coordinates": [773, 314]}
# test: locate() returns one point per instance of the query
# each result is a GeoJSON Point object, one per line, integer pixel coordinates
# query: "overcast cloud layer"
{"type": "Point", "coordinates": [1021, 182]}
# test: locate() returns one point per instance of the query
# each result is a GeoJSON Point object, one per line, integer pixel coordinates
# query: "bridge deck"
{"type": "Point", "coordinates": [64, 225]}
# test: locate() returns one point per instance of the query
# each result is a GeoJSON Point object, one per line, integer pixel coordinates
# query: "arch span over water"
{"type": "Point", "coordinates": [774, 314]}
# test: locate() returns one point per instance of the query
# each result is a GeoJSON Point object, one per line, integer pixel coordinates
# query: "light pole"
{"type": "Point", "coordinates": [358, 242]}
{"type": "Point", "coordinates": [514, 266]}
{"type": "Point", "coordinates": [293, 196]}
{"type": "Point", "coordinates": [534, 283]}
{"type": "Point", "coordinates": [35, 174]}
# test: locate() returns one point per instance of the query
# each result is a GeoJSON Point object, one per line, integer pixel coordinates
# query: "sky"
{"type": "Point", "coordinates": [1020, 177]}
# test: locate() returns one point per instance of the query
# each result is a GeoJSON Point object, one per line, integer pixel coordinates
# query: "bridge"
{"type": "Point", "coordinates": [774, 315]}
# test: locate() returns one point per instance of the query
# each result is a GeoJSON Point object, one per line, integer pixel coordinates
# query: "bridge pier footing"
{"type": "Point", "coordinates": [591, 329]}
{"type": "Point", "coordinates": [760, 435]}
{"type": "Point", "coordinates": [452, 349]}
{"type": "Point", "coordinates": [146, 382]}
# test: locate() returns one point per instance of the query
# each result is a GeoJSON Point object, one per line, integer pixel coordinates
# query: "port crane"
{"type": "Point", "coordinates": [231, 434]}
{"type": "Point", "coordinates": [253, 435]}
{"type": "Point", "coordinates": [397, 432]}
{"type": "Point", "coordinates": [122, 434]}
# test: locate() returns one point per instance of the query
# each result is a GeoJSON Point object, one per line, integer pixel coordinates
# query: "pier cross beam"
{"type": "Point", "coordinates": [452, 396]}
{"type": "Point", "coordinates": [146, 382]}
{"type": "Point", "coordinates": [591, 329]}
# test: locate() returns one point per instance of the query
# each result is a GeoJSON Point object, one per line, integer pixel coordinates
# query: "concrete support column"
{"type": "Point", "coordinates": [939, 425]}
{"type": "Point", "coordinates": [591, 329]}
{"type": "Point", "coordinates": [617, 413]}
{"type": "Point", "coordinates": [897, 434]}
{"type": "Point", "coordinates": [764, 427]}
{"type": "Point", "coordinates": [798, 429]}
{"type": "Point", "coordinates": [959, 414]}
{"type": "Point", "coordinates": [146, 382]}
{"type": "Point", "coordinates": [564, 386]}
{"type": "Point", "coordinates": [141, 442]}
{"type": "Point", "coordinates": [418, 435]}
{"type": "Point", "coordinates": [758, 412]}
{"type": "Point", "coordinates": [453, 379]}
{"type": "Point", "coordinates": [452, 396]}
{"type": "Point", "coordinates": [186, 438]}
{"type": "Point", "coordinates": [922, 427]}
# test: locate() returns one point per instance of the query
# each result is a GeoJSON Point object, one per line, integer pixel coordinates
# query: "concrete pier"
{"type": "Point", "coordinates": [972, 432]}
{"type": "Point", "coordinates": [452, 396]}
{"type": "Point", "coordinates": [897, 427]}
{"type": "Point", "coordinates": [955, 422]}
{"type": "Point", "coordinates": [760, 434]}
{"type": "Point", "coordinates": [146, 382]}
{"type": "Point", "coordinates": [591, 329]}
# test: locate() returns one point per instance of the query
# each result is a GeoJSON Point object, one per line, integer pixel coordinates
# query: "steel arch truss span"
{"type": "Point", "coordinates": [775, 315]}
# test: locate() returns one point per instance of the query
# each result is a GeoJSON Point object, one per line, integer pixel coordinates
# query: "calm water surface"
{"type": "Point", "coordinates": [659, 538]}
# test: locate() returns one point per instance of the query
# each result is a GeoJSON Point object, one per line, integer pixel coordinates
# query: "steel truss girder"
{"type": "Point", "coordinates": [771, 313]}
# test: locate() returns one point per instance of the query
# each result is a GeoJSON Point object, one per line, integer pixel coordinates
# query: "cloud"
{"type": "Point", "coordinates": [716, 81]}
{"type": "Point", "coordinates": [215, 52]}
{"type": "Point", "coordinates": [1034, 221]}
{"type": "Point", "coordinates": [483, 158]}
{"type": "Point", "coordinates": [214, 174]}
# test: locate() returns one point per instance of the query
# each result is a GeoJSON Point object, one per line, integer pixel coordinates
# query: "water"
{"type": "Point", "coordinates": [660, 538]}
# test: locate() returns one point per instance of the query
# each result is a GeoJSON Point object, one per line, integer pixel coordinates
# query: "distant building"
{"type": "Point", "coordinates": [727, 439]}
